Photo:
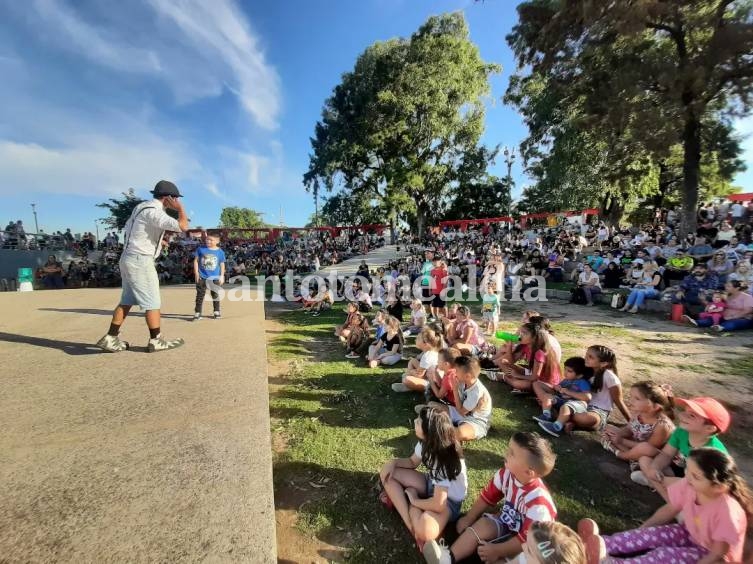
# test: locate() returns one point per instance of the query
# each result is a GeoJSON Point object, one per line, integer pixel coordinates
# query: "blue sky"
{"type": "Point", "coordinates": [220, 97]}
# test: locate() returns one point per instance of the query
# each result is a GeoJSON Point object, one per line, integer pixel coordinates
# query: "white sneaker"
{"type": "Point", "coordinates": [217, 315]}
{"type": "Point", "coordinates": [112, 344]}
{"type": "Point", "coordinates": [196, 316]}
{"type": "Point", "coordinates": [159, 343]}
{"type": "Point", "coordinates": [690, 320]}
{"type": "Point", "coordinates": [437, 552]}
{"type": "Point", "coordinates": [639, 478]}
{"type": "Point", "coordinates": [400, 387]}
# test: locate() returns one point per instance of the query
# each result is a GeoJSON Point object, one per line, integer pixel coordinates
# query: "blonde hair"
{"type": "Point", "coordinates": [557, 543]}
{"type": "Point", "coordinates": [431, 338]}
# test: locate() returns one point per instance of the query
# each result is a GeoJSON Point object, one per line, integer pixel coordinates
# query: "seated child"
{"type": "Point", "coordinates": [700, 420]}
{"type": "Point", "coordinates": [715, 504]}
{"type": "Point", "coordinates": [570, 396]}
{"type": "Point", "coordinates": [471, 406]}
{"type": "Point", "coordinates": [714, 309]}
{"type": "Point", "coordinates": [427, 501]}
{"type": "Point", "coordinates": [500, 535]}
{"type": "Point", "coordinates": [648, 430]}
{"type": "Point", "coordinates": [538, 357]}
{"type": "Point", "coordinates": [344, 330]}
{"type": "Point", "coordinates": [387, 349]}
{"type": "Point", "coordinates": [442, 379]}
{"type": "Point", "coordinates": [417, 318]}
{"type": "Point", "coordinates": [549, 542]}
{"type": "Point", "coordinates": [415, 378]}
{"type": "Point", "coordinates": [380, 324]}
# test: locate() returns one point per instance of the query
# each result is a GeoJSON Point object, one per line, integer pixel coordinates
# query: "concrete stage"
{"type": "Point", "coordinates": [133, 457]}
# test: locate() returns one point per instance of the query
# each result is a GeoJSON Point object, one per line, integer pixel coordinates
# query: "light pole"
{"type": "Point", "coordinates": [96, 226]}
{"type": "Point", "coordinates": [509, 159]}
{"type": "Point", "coordinates": [36, 224]}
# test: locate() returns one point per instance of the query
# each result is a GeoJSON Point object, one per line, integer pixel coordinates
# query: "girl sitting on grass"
{"type": "Point", "coordinates": [388, 349]}
{"type": "Point", "coordinates": [715, 504]}
{"type": "Point", "coordinates": [427, 502]}
{"type": "Point", "coordinates": [343, 331]}
{"type": "Point", "coordinates": [417, 318]}
{"type": "Point", "coordinates": [536, 354]}
{"type": "Point", "coordinates": [415, 377]}
{"type": "Point", "coordinates": [649, 428]}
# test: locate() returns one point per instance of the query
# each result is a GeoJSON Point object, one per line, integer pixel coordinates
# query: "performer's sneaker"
{"type": "Point", "coordinates": [196, 316]}
{"type": "Point", "coordinates": [217, 315]}
{"type": "Point", "coordinates": [161, 344]}
{"type": "Point", "coordinates": [112, 343]}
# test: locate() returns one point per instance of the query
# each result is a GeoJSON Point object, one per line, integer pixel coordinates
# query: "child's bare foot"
{"type": "Point", "coordinates": [596, 550]}
{"type": "Point", "coordinates": [373, 364]}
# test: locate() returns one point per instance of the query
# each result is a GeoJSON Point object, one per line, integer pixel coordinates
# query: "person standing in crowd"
{"type": "Point", "coordinates": [209, 264]}
{"type": "Point", "coordinates": [142, 244]}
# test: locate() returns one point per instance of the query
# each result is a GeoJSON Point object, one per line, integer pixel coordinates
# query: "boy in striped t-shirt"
{"type": "Point", "coordinates": [501, 535]}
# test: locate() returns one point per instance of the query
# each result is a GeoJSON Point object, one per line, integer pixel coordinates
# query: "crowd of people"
{"type": "Point", "coordinates": [175, 264]}
{"type": "Point", "coordinates": [671, 445]}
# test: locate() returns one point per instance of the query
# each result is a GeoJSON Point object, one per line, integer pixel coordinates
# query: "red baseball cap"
{"type": "Point", "coordinates": [709, 409]}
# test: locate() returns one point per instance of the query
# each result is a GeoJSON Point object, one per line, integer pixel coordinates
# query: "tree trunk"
{"type": "Point", "coordinates": [421, 215]}
{"type": "Point", "coordinates": [691, 165]}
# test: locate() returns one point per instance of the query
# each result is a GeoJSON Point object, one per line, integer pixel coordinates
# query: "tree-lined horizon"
{"type": "Point", "coordinates": [629, 105]}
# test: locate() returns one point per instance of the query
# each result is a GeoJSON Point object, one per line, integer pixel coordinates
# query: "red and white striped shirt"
{"type": "Point", "coordinates": [524, 503]}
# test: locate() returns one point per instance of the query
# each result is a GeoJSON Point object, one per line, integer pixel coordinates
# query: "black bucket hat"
{"type": "Point", "coordinates": [166, 188]}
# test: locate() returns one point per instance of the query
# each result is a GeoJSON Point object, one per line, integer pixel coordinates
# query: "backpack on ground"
{"type": "Point", "coordinates": [618, 301]}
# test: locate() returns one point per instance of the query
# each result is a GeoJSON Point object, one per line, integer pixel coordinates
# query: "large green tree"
{"type": "Point", "coordinates": [397, 128]}
{"type": "Point", "coordinates": [242, 218]}
{"type": "Point", "coordinates": [120, 209]}
{"type": "Point", "coordinates": [648, 74]}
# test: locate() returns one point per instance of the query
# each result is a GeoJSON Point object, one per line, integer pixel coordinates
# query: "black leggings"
{"type": "Point", "coordinates": [201, 291]}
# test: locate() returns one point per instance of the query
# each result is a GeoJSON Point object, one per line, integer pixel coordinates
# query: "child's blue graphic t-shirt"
{"type": "Point", "coordinates": [209, 262]}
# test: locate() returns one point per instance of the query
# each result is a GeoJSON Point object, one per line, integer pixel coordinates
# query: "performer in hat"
{"type": "Point", "coordinates": [142, 244]}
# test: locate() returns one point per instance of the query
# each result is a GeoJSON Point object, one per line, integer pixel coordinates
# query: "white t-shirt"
{"type": "Point", "coordinates": [457, 489]}
{"type": "Point", "coordinates": [416, 315]}
{"type": "Point", "coordinates": [603, 398]}
{"type": "Point", "coordinates": [586, 279]}
{"type": "Point", "coordinates": [429, 359]}
{"type": "Point", "coordinates": [476, 398]}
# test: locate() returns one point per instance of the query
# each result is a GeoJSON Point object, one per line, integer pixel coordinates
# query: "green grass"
{"type": "Point", "coordinates": [341, 422]}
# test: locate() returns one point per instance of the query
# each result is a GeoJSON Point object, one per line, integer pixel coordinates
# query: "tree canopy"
{"type": "Point", "coordinates": [120, 209]}
{"type": "Point", "coordinates": [242, 218]}
{"type": "Point", "coordinates": [611, 90]}
{"type": "Point", "coordinates": [397, 128]}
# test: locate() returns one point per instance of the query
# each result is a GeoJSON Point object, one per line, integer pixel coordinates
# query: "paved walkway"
{"type": "Point", "coordinates": [133, 457]}
{"type": "Point", "coordinates": [375, 259]}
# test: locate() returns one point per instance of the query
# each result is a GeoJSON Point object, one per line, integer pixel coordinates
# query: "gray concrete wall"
{"type": "Point", "coordinates": [11, 260]}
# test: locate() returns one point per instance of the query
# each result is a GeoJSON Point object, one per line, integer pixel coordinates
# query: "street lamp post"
{"type": "Point", "coordinates": [509, 159]}
{"type": "Point", "coordinates": [36, 223]}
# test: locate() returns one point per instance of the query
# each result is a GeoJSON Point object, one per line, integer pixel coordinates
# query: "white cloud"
{"type": "Point", "coordinates": [95, 167]}
{"type": "Point", "coordinates": [196, 47]}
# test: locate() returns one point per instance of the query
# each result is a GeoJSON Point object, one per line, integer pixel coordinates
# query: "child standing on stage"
{"type": "Point", "coordinates": [208, 264]}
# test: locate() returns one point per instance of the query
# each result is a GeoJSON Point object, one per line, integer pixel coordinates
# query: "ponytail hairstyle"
{"type": "Point", "coordinates": [606, 356]}
{"type": "Point", "coordinates": [660, 394]}
{"type": "Point", "coordinates": [529, 313]}
{"type": "Point", "coordinates": [719, 468]}
{"type": "Point", "coordinates": [540, 342]}
{"type": "Point", "coordinates": [441, 452]}
{"type": "Point", "coordinates": [557, 543]}
{"type": "Point", "coordinates": [543, 321]}
{"type": "Point", "coordinates": [430, 337]}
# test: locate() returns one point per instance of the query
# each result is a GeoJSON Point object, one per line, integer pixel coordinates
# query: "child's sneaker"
{"type": "Point", "coordinates": [352, 355]}
{"type": "Point", "coordinates": [400, 387]}
{"type": "Point", "coordinates": [551, 428]}
{"type": "Point", "coordinates": [690, 320]}
{"type": "Point", "coordinates": [112, 344]}
{"type": "Point", "coordinates": [159, 343]}
{"type": "Point", "coordinates": [196, 316]}
{"type": "Point", "coordinates": [640, 478]}
{"type": "Point", "coordinates": [217, 315]}
{"type": "Point", "coordinates": [543, 418]}
{"type": "Point", "coordinates": [315, 314]}
{"type": "Point", "coordinates": [437, 552]}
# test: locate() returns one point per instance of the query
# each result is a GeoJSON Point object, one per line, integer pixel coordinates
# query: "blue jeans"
{"type": "Point", "coordinates": [638, 296]}
{"type": "Point", "coordinates": [729, 324]}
